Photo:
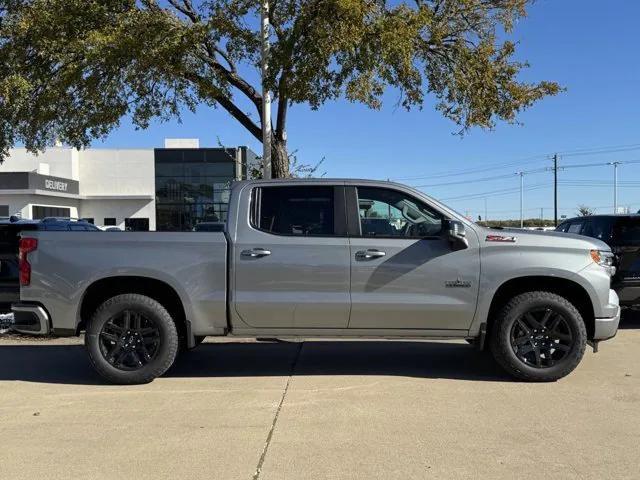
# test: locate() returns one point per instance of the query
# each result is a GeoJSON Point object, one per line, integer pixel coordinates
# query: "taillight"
{"type": "Point", "coordinates": [26, 245]}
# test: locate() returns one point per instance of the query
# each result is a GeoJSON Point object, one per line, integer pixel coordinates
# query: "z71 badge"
{"type": "Point", "coordinates": [500, 238]}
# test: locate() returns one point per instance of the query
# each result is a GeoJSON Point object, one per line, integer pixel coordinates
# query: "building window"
{"type": "Point", "coordinates": [192, 186]}
{"type": "Point", "coordinates": [89, 220]}
{"type": "Point", "coordinates": [40, 212]}
{"type": "Point", "coordinates": [136, 224]}
{"type": "Point", "coordinates": [4, 210]}
{"type": "Point", "coordinates": [109, 222]}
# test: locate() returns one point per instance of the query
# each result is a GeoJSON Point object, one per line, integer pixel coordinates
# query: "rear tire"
{"type": "Point", "coordinates": [538, 337]}
{"type": "Point", "coordinates": [131, 339]}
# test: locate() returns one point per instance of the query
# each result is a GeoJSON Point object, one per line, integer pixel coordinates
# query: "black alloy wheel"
{"type": "Point", "coordinates": [129, 340]}
{"type": "Point", "coordinates": [541, 337]}
{"type": "Point", "coordinates": [538, 336]}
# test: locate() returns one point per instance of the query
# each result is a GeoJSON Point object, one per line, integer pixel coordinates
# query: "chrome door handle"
{"type": "Point", "coordinates": [369, 254]}
{"type": "Point", "coordinates": [255, 253]}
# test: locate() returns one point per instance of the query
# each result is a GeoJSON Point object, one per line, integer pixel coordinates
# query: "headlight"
{"type": "Point", "coordinates": [605, 260]}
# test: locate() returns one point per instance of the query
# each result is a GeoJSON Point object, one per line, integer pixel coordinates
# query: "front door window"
{"type": "Point", "coordinates": [391, 214]}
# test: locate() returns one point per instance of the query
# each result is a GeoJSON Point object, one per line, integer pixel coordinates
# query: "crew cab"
{"type": "Point", "coordinates": [321, 258]}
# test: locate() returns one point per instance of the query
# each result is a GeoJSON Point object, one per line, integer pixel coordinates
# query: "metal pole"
{"type": "Point", "coordinates": [521, 198]}
{"type": "Point", "coordinates": [615, 187]}
{"type": "Point", "coordinates": [486, 217]}
{"type": "Point", "coordinates": [555, 189]}
{"type": "Point", "coordinates": [266, 95]}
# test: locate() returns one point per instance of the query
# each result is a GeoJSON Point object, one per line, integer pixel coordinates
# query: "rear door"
{"type": "Point", "coordinates": [626, 246]}
{"type": "Point", "coordinates": [405, 274]}
{"type": "Point", "coordinates": [600, 228]}
{"type": "Point", "coordinates": [291, 258]}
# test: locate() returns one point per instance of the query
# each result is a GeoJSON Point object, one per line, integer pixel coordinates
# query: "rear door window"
{"type": "Point", "coordinates": [297, 211]}
{"type": "Point", "coordinates": [627, 232]}
{"type": "Point", "coordinates": [600, 228]}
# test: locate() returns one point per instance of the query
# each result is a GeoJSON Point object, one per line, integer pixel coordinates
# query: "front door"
{"type": "Point", "coordinates": [405, 274]}
{"type": "Point", "coordinates": [291, 259]}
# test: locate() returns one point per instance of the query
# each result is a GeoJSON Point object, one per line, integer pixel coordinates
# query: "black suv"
{"type": "Point", "coordinates": [10, 229]}
{"type": "Point", "coordinates": [622, 234]}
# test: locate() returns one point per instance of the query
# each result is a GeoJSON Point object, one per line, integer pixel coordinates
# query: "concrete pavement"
{"type": "Point", "coordinates": [319, 410]}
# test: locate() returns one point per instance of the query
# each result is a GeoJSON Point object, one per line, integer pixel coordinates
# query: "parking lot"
{"type": "Point", "coordinates": [319, 409]}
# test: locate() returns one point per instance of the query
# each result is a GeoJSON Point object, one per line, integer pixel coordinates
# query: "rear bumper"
{"type": "Point", "coordinates": [31, 319]}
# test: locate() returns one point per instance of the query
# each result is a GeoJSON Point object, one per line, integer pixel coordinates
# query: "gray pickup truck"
{"type": "Point", "coordinates": [321, 258]}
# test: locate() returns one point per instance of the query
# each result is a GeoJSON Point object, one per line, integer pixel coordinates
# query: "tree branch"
{"type": "Point", "coordinates": [234, 79]}
{"type": "Point", "coordinates": [186, 9]}
{"type": "Point", "coordinates": [226, 103]}
{"type": "Point", "coordinates": [240, 116]}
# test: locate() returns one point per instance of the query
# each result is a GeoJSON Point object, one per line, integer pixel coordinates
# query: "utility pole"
{"type": "Point", "coordinates": [521, 198]}
{"type": "Point", "coordinates": [541, 216]}
{"type": "Point", "coordinates": [555, 189]}
{"type": "Point", "coordinates": [266, 95]}
{"type": "Point", "coordinates": [615, 186]}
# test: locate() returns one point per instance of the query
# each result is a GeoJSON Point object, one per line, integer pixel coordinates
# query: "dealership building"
{"type": "Point", "coordinates": [172, 188]}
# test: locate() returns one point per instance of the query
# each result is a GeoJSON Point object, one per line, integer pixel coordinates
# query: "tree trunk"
{"type": "Point", "coordinates": [279, 158]}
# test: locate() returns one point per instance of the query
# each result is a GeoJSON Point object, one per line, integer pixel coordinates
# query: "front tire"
{"type": "Point", "coordinates": [131, 339]}
{"type": "Point", "coordinates": [538, 337]}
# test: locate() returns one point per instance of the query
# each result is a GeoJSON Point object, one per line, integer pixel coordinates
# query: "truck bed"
{"type": "Point", "coordinates": [194, 264]}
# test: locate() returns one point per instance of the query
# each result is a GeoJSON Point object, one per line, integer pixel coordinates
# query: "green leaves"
{"type": "Point", "coordinates": [71, 69]}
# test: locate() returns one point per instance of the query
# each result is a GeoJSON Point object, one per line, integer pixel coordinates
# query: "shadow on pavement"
{"type": "Point", "coordinates": [68, 364]}
{"type": "Point", "coordinates": [630, 319]}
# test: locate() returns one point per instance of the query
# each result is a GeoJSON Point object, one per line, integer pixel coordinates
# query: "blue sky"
{"type": "Point", "coordinates": [589, 47]}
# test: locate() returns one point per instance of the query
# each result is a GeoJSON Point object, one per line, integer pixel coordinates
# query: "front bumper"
{"type": "Point", "coordinates": [607, 327]}
{"type": "Point", "coordinates": [31, 319]}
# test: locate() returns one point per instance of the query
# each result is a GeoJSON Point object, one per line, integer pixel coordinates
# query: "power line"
{"type": "Point", "coordinates": [475, 180]}
{"type": "Point", "coordinates": [509, 190]}
{"type": "Point", "coordinates": [472, 171]}
{"type": "Point", "coordinates": [461, 182]}
{"type": "Point", "coordinates": [525, 172]}
{"type": "Point", "coordinates": [601, 151]}
{"type": "Point", "coordinates": [495, 193]}
{"type": "Point", "coordinates": [600, 164]}
{"type": "Point", "coordinates": [495, 166]}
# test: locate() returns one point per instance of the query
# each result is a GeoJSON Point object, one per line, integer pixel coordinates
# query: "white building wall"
{"type": "Point", "coordinates": [21, 204]}
{"type": "Point", "coordinates": [117, 172]}
{"type": "Point", "coordinates": [120, 209]}
{"type": "Point", "coordinates": [61, 161]}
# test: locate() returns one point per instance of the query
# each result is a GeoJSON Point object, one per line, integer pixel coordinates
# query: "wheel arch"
{"type": "Point", "coordinates": [569, 289]}
{"type": "Point", "coordinates": [103, 289]}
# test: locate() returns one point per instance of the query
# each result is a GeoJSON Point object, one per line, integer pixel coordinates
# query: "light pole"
{"type": "Point", "coordinates": [555, 190]}
{"type": "Point", "coordinates": [486, 216]}
{"type": "Point", "coordinates": [521, 198]}
{"type": "Point", "coordinates": [266, 95]}
{"type": "Point", "coordinates": [615, 186]}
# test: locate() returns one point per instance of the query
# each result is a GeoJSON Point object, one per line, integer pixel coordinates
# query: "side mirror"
{"type": "Point", "coordinates": [455, 232]}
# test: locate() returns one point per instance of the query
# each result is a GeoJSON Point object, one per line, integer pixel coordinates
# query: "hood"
{"type": "Point", "coordinates": [545, 238]}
